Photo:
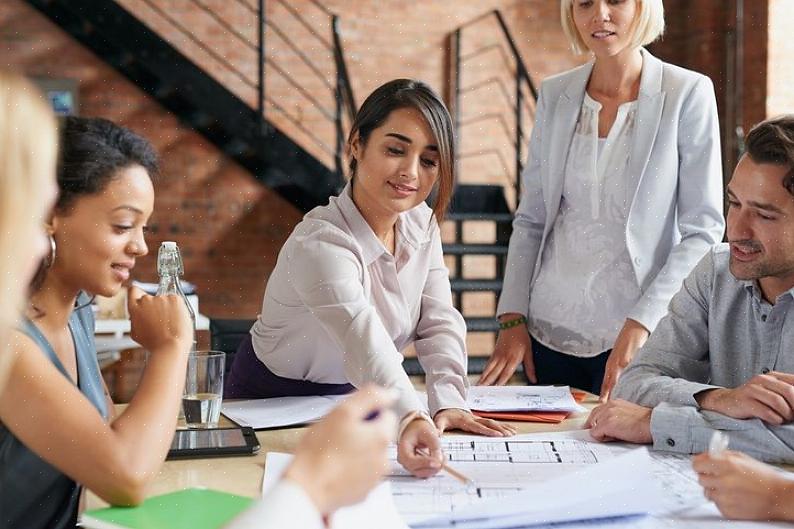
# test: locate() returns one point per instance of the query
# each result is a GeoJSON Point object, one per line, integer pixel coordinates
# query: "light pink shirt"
{"type": "Point", "coordinates": [340, 308]}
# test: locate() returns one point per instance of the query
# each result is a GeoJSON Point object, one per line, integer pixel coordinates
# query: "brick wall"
{"type": "Point", "coordinates": [780, 65]}
{"type": "Point", "coordinates": [229, 227]}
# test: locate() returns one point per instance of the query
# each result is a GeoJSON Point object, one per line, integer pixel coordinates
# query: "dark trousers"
{"type": "Point", "coordinates": [556, 368]}
{"type": "Point", "coordinates": [249, 378]}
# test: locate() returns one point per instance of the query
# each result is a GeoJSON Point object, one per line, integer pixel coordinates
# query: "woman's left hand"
{"type": "Point", "coordinates": [456, 419]}
{"type": "Point", "coordinates": [631, 337]}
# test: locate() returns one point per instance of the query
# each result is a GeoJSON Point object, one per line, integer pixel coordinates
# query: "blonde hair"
{"type": "Point", "coordinates": [648, 24]}
{"type": "Point", "coordinates": [28, 150]}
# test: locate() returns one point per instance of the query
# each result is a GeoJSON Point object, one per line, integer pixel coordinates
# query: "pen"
{"type": "Point", "coordinates": [451, 471]}
{"type": "Point", "coordinates": [718, 443]}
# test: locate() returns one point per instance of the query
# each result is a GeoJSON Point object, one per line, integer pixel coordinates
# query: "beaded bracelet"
{"type": "Point", "coordinates": [512, 323]}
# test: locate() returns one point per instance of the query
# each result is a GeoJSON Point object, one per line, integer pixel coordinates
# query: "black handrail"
{"type": "Point", "coordinates": [518, 101]}
{"type": "Point", "coordinates": [344, 106]}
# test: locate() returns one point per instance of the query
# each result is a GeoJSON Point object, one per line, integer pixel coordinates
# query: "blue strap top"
{"type": "Point", "coordinates": [33, 493]}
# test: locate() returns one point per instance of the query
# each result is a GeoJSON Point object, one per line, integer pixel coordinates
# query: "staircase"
{"type": "Point", "coordinates": [204, 104]}
{"type": "Point", "coordinates": [503, 94]}
{"type": "Point", "coordinates": [484, 198]}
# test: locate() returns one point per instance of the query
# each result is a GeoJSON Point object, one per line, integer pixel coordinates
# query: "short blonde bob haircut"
{"type": "Point", "coordinates": [28, 152]}
{"type": "Point", "coordinates": [648, 25]}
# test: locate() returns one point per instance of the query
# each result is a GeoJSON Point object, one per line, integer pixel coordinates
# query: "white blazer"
{"type": "Point", "coordinates": [676, 170]}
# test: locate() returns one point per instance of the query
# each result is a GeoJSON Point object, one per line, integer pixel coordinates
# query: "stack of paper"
{"type": "Point", "coordinates": [279, 412]}
{"type": "Point", "coordinates": [523, 403]}
{"type": "Point", "coordinates": [618, 488]}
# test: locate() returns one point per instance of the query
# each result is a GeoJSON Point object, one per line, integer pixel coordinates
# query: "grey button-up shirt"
{"type": "Point", "coordinates": [719, 332]}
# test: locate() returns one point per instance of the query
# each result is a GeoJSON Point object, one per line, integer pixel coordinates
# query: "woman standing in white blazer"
{"type": "Point", "coordinates": [621, 196]}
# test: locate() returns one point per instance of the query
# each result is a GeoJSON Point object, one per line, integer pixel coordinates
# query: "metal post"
{"type": "Point", "coordinates": [261, 69]}
{"type": "Point", "coordinates": [519, 135]}
{"type": "Point", "coordinates": [340, 140]}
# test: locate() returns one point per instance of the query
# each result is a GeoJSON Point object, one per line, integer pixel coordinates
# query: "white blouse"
{"type": "Point", "coordinates": [340, 308]}
{"type": "Point", "coordinates": [586, 285]}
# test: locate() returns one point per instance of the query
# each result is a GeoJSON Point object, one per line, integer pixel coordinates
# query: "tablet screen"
{"type": "Point", "coordinates": [192, 439]}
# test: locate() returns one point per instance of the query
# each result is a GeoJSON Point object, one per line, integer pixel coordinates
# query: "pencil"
{"type": "Point", "coordinates": [457, 475]}
{"type": "Point", "coordinates": [449, 470]}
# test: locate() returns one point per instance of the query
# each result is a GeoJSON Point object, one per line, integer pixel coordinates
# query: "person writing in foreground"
{"type": "Point", "coordinates": [723, 357]}
{"type": "Point", "coordinates": [622, 195]}
{"type": "Point", "coordinates": [337, 462]}
{"type": "Point", "coordinates": [362, 278]}
{"type": "Point", "coordinates": [744, 488]}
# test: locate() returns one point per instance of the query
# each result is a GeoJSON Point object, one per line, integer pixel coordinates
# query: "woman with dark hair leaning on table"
{"type": "Point", "coordinates": [363, 278]}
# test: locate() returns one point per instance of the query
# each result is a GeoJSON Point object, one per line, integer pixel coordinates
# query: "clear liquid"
{"type": "Point", "coordinates": [202, 410]}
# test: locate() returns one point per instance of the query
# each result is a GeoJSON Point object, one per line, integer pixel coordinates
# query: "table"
{"type": "Point", "coordinates": [243, 475]}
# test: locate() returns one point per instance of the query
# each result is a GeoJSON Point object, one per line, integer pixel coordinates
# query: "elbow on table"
{"type": "Point", "coordinates": [126, 485]}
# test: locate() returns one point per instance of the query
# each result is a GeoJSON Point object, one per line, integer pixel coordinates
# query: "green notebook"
{"type": "Point", "coordinates": [189, 508]}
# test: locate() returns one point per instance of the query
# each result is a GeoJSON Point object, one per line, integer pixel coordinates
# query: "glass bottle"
{"type": "Point", "coordinates": [170, 269]}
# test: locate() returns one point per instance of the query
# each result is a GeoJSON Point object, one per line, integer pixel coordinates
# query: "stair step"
{"type": "Point", "coordinates": [477, 285]}
{"type": "Point", "coordinates": [475, 249]}
{"type": "Point", "coordinates": [481, 324]}
{"type": "Point", "coordinates": [478, 198]}
{"type": "Point", "coordinates": [475, 367]}
{"type": "Point", "coordinates": [495, 217]}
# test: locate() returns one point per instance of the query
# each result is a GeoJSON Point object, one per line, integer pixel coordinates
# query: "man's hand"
{"type": "Point", "coordinates": [631, 337]}
{"type": "Point", "coordinates": [619, 420]}
{"type": "Point", "coordinates": [768, 397]}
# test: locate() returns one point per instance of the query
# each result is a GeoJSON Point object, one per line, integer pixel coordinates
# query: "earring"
{"type": "Point", "coordinates": [51, 257]}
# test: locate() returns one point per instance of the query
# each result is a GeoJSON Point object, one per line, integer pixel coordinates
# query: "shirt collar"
{"type": "Point", "coordinates": [412, 226]}
{"type": "Point", "coordinates": [755, 290]}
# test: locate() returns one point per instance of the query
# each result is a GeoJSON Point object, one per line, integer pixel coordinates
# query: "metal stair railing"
{"type": "Point", "coordinates": [340, 113]}
{"type": "Point", "coordinates": [519, 99]}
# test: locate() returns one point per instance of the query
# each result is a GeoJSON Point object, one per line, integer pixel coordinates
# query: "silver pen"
{"type": "Point", "coordinates": [718, 443]}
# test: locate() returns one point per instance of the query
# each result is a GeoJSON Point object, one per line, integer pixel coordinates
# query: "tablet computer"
{"type": "Point", "coordinates": [216, 442]}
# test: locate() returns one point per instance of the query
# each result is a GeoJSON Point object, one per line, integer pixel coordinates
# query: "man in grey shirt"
{"type": "Point", "coordinates": [723, 357]}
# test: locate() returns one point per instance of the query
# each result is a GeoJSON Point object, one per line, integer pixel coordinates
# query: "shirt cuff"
{"type": "Point", "coordinates": [405, 421]}
{"type": "Point", "coordinates": [679, 429]}
{"type": "Point", "coordinates": [284, 507]}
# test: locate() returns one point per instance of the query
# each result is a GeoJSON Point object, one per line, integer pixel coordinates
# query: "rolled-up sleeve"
{"type": "Point", "coordinates": [687, 430]}
{"type": "Point", "coordinates": [328, 278]}
{"type": "Point", "coordinates": [441, 337]}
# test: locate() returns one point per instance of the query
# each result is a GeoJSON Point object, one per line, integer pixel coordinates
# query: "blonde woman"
{"type": "Point", "coordinates": [27, 191]}
{"type": "Point", "coordinates": [622, 195]}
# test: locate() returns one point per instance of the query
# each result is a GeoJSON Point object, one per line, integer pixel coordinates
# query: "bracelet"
{"type": "Point", "coordinates": [512, 323]}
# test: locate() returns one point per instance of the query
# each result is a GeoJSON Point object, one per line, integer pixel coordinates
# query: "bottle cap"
{"type": "Point", "coordinates": [168, 245]}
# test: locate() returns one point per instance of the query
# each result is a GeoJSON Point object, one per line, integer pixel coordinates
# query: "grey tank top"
{"type": "Point", "coordinates": [34, 494]}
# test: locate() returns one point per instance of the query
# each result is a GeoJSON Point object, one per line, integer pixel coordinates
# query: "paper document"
{"type": "Point", "coordinates": [378, 505]}
{"type": "Point", "coordinates": [522, 398]}
{"type": "Point", "coordinates": [621, 487]}
{"type": "Point", "coordinates": [500, 467]}
{"type": "Point", "coordinates": [281, 411]}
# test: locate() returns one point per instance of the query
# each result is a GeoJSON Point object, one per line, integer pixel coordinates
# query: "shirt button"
{"type": "Point", "coordinates": [637, 261]}
{"type": "Point", "coordinates": [670, 442]}
{"type": "Point", "coordinates": [763, 317]}
{"type": "Point", "coordinates": [765, 370]}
